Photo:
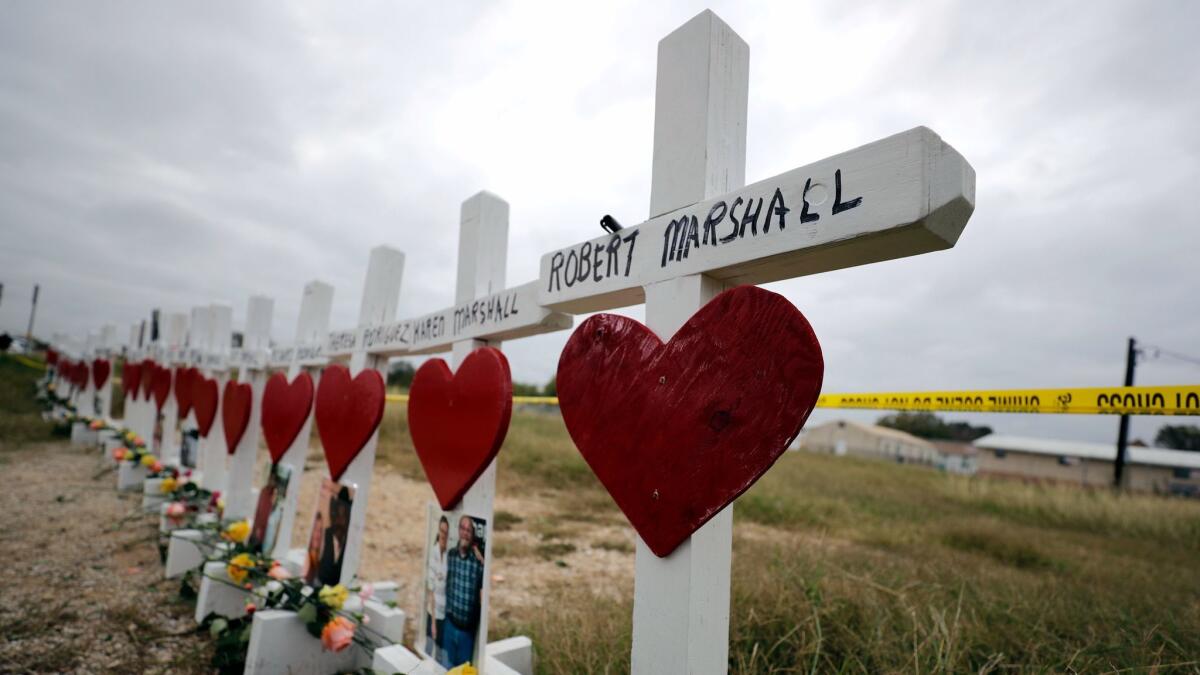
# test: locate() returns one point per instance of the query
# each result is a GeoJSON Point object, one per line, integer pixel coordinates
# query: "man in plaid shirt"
{"type": "Point", "coordinates": [464, 585]}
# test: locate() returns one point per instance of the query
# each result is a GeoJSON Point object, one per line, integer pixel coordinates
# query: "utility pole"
{"type": "Point", "coordinates": [1123, 431]}
{"type": "Point", "coordinates": [32, 312]}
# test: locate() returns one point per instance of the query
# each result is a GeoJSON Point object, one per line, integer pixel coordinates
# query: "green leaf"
{"type": "Point", "coordinates": [218, 626]}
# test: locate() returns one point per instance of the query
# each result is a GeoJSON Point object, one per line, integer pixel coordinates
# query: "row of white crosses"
{"type": "Point", "coordinates": [904, 195]}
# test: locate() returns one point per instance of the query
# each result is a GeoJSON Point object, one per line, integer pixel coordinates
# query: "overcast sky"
{"type": "Point", "coordinates": [176, 154]}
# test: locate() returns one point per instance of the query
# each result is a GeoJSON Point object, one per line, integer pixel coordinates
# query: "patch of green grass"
{"type": "Point", "coordinates": [20, 414]}
{"type": "Point", "coordinates": [618, 545]}
{"type": "Point", "coordinates": [554, 549]}
{"type": "Point", "coordinates": [1019, 554]}
{"type": "Point", "coordinates": [503, 521]}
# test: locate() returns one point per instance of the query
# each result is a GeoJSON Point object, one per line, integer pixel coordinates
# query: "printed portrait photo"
{"type": "Point", "coordinates": [269, 512]}
{"type": "Point", "coordinates": [452, 592]}
{"type": "Point", "coordinates": [331, 527]}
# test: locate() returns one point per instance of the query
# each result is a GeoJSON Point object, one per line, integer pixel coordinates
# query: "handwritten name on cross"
{"type": "Point", "coordinates": [900, 196]}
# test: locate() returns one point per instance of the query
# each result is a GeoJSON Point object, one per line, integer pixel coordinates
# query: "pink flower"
{"type": "Point", "coordinates": [366, 591]}
{"type": "Point", "coordinates": [337, 634]}
{"type": "Point", "coordinates": [278, 572]}
{"type": "Point", "coordinates": [188, 473]}
{"type": "Point", "coordinates": [156, 467]}
{"type": "Point", "coordinates": [176, 510]}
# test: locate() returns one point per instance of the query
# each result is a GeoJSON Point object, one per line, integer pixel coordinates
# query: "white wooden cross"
{"type": "Point", "coordinates": [304, 354]}
{"type": "Point", "coordinates": [251, 361]}
{"type": "Point", "coordinates": [381, 294]}
{"type": "Point", "coordinates": [137, 411]}
{"type": "Point", "coordinates": [166, 351]}
{"type": "Point", "coordinates": [213, 360]}
{"type": "Point", "coordinates": [105, 348]}
{"type": "Point", "coordinates": [484, 313]}
{"type": "Point", "coordinates": [904, 195]}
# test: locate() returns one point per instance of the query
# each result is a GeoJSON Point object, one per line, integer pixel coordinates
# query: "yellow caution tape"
{"type": "Point", "coordinates": [1175, 400]}
{"type": "Point", "coordinates": [540, 400]}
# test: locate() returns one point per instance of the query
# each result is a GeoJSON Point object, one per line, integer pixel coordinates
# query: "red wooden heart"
{"type": "Point", "coordinates": [81, 374]}
{"type": "Point", "coordinates": [677, 431]}
{"type": "Point", "coordinates": [184, 388]}
{"type": "Point", "coordinates": [348, 412]}
{"type": "Point", "coordinates": [204, 402]}
{"type": "Point", "coordinates": [131, 378]}
{"type": "Point", "coordinates": [51, 357]}
{"type": "Point", "coordinates": [161, 385]}
{"type": "Point", "coordinates": [148, 372]}
{"type": "Point", "coordinates": [458, 420]}
{"type": "Point", "coordinates": [235, 412]}
{"type": "Point", "coordinates": [100, 370]}
{"type": "Point", "coordinates": [285, 409]}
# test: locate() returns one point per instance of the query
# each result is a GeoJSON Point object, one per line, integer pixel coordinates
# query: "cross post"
{"type": "Point", "coordinates": [251, 361]}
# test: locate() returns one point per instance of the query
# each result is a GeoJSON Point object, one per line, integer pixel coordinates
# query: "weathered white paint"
{"type": "Point", "coordinates": [256, 341]}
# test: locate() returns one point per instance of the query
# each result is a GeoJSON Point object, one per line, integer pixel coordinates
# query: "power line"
{"type": "Point", "coordinates": [1160, 352]}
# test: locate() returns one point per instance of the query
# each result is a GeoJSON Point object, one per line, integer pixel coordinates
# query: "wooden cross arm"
{"type": "Point", "coordinates": [505, 315]}
{"type": "Point", "coordinates": [904, 195]}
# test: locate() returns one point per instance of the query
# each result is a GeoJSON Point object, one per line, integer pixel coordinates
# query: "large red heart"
{"type": "Point", "coordinates": [285, 408]}
{"type": "Point", "coordinates": [148, 372]}
{"type": "Point", "coordinates": [677, 431]}
{"type": "Point", "coordinates": [348, 412]}
{"type": "Point", "coordinates": [204, 401]}
{"type": "Point", "coordinates": [81, 374]}
{"type": "Point", "coordinates": [100, 370]}
{"type": "Point", "coordinates": [162, 386]}
{"type": "Point", "coordinates": [184, 388]}
{"type": "Point", "coordinates": [131, 378]}
{"type": "Point", "coordinates": [458, 420]}
{"type": "Point", "coordinates": [235, 412]}
{"type": "Point", "coordinates": [51, 357]}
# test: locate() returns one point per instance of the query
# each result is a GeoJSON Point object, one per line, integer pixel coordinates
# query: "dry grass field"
{"type": "Point", "coordinates": [840, 565]}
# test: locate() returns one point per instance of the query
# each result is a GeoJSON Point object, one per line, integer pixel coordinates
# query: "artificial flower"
{"type": "Point", "coordinates": [167, 485]}
{"type": "Point", "coordinates": [278, 571]}
{"type": "Point", "coordinates": [148, 460]}
{"type": "Point", "coordinates": [220, 505]}
{"type": "Point", "coordinates": [96, 425]}
{"type": "Point", "coordinates": [137, 440]}
{"type": "Point", "coordinates": [176, 510]}
{"type": "Point", "coordinates": [366, 591]}
{"type": "Point", "coordinates": [157, 466]}
{"type": "Point", "coordinates": [119, 453]}
{"type": "Point", "coordinates": [464, 669]}
{"type": "Point", "coordinates": [337, 634]}
{"type": "Point", "coordinates": [333, 596]}
{"type": "Point", "coordinates": [239, 567]}
{"type": "Point", "coordinates": [250, 608]}
{"type": "Point", "coordinates": [237, 531]}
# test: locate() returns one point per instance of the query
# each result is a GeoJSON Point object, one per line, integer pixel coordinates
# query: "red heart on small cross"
{"type": "Point", "coordinates": [51, 357]}
{"type": "Point", "coordinates": [235, 412]}
{"type": "Point", "coordinates": [148, 371]}
{"type": "Point", "coordinates": [161, 385]}
{"type": "Point", "coordinates": [285, 409]}
{"type": "Point", "coordinates": [204, 402]}
{"type": "Point", "coordinates": [100, 371]}
{"type": "Point", "coordinates": [677, 431]}
{"type": "Point", "coordinates": [131, 377]}
{"type": "Point", "coordinates": [81, 374]}
{"type": "Point", "coordinates": [348, 412]}
{"type": "Point", "coordinates": [458, 421]}
{"type": "Point", "coordinates": [184, 388]}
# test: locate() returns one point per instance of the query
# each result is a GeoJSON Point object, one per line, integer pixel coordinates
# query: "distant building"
{"type": "Point", "coordinates": [1091, 464]}
{"type": "Point", "coordinates": [843, 437]}
{"type": "Point", "coordinates": [957, 457]}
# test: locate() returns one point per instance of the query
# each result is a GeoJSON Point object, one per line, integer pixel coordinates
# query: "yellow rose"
{"type": "Point", "coordinates": [147, 461]}
{"type": "Point", "coordinates": [167, 485]}
{"type": "Point", "coordinates": [333, 596]}
{"type": "Point", "coordinates": [238, 531]}
{"type": "Point", "coordinates": [239, 568]}
{"type": "Point", "coordinates": [464, 669]}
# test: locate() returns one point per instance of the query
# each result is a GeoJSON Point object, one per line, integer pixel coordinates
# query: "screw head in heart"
{"type": "Point", "coordinates": [676, 431]}
{"type": "Point", "coordinates": [285, 408]}
{"type": "Point", "coordinates": [347, 413]}
{"type": "Point", "coordinates": [458, 421]}
{"type": "Point", "coordinates": [236, 401]}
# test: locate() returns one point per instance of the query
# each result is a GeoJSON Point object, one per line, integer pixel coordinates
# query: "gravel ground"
{"type": "Point", "coordinates": [81, 587]}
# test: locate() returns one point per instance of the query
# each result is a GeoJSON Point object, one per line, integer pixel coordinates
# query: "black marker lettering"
{"type": "Point", "coordinates": [556, 263]}
{"type": "Point", "coordinates": [838, 204]}
{"type": "Point", "coordinates": [568, 275]}
{"type": "Point", "coordinates": [733, 219]}
{"type": "Point", "coordinates": [631, 239]}
{"type": "Point", "coordinates": [805, 216]}
{"type": "Point", "coordinates": [777, 206]}
{"type": "Point", "coordinates": [710, 221]}
{"type": "Point", "coordinates": [752, 218]}
{"type": "Point", "coordinates": [585, 261]}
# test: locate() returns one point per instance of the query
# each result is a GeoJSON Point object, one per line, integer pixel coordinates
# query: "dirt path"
{"type": "Point", "coordinates": [81, 587]}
